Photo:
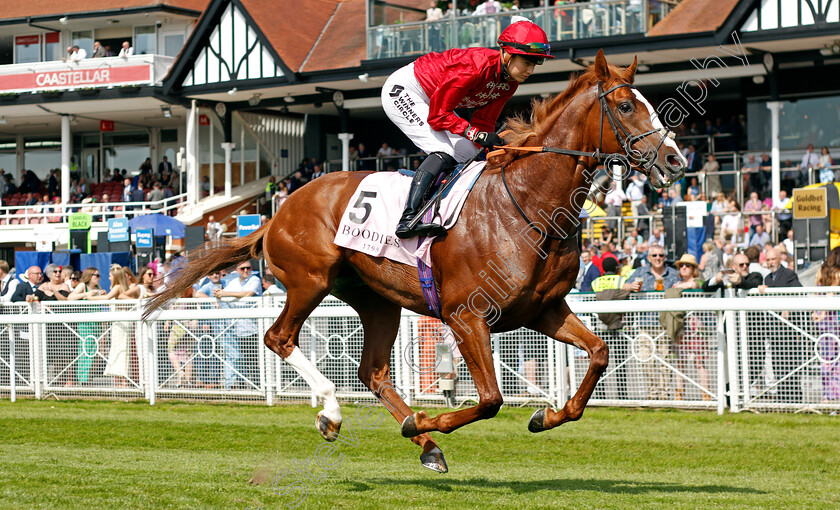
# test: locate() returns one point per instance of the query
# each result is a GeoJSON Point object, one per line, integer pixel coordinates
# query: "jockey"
{"type": "Point", "coordinates": [421, 97]}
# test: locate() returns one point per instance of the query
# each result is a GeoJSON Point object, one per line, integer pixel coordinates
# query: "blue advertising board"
{"type": "Point", "coordinates": [145, 238]}
{"type": "Point", "coordinates": [117, 230]}
{"type": "Point", "coordinates": [247, 223]}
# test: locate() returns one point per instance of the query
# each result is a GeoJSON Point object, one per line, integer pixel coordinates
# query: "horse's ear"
{"type": "Point", "coordinates": [602, 69]}
{"type": "Point", "coordinates": [632, 70]}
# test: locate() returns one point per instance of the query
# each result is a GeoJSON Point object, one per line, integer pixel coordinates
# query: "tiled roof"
{"type": "Point", "coordinates": [34, 8]}
{"type": "Point", "coordinates": [293, 28]}
{"type": "Point", "coordinates": [343, 43]}
{"type": "Point", "coordinates": [692, 16]}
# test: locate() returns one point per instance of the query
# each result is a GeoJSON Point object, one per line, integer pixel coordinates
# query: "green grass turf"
{"type": "Point", "coordinates": [131, 455]}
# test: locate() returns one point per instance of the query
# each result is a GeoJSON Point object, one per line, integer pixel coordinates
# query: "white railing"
{"type": "Point", "coordinates": [775, 353]}
{"type": "Point", "coordinates": [101, 211]}
{"type": "Point", "coordinates": [89, 73]}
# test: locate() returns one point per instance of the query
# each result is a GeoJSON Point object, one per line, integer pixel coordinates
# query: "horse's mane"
{"type": "Point", "coordinates": [522, 132]}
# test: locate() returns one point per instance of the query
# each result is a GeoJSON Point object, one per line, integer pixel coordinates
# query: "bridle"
{"type": "Point", "coordinates": [624, 138]}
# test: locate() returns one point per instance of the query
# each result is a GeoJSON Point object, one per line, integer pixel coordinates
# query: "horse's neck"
{"type": "Point", "coordinates": [557, 185]}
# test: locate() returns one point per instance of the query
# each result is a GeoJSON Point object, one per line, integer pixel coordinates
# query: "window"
{"type": "Point", "coordinates": [27, 49]}
{"type": "Point", "coordinates": [84, 40]}
{"type": "Point", "coordinates": [52, 47]}
{"type": "Point", "coordinates": [172, 44]}
{"type": "Point", "coordinates": [144, 40]}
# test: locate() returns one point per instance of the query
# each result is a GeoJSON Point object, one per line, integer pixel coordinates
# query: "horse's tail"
{"type": "Point", "coordinates": [204, 261]}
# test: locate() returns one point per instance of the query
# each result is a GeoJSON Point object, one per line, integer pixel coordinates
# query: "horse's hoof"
{"type": "Point", "coordinates": [537, 422]}
{"type": "Point", "coordinates": [434, 460]}
{"type": "Point", "coordinates": [326, 427]}
{"type": "Point", "coordinates": [409, 428]}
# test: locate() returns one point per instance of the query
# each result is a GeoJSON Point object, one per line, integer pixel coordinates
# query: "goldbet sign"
{"type": "Point", "coordinates": [51, 80]}
{"type": "Point", "coordinates": [809, 203]}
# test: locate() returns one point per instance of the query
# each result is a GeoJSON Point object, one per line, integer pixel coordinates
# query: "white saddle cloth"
{"type": "Point", "coordinates": [371, 217]}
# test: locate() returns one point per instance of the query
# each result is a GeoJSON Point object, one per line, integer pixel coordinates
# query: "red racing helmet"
{"type": "Point", "coordinates": [525, 38]}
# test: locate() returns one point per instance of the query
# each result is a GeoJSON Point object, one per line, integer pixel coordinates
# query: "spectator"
{"type": "Point", "coordinates": [146, 167]}
{"type": "Point", "coordinates": [270, 286]}
{"type": "Point", "coordinates": [53, 289]}
{"type": "Point", "coordinates": [128, 189]}
{"type": "Point", "coordinates": [710, 263]}
{"type": "Point", "coordinates": [244, 331]}
{"type": "Point", "coordinates": [26, 290]}
{"type": "Point", "coordinates": [643, 223]}
{"type": "Point", "coordinates": [75, 54]}
{"type": "Point", "coordinates": [589, 271]}
{"type": "Point", "coordinates": [692, 158]}
{"type": "Point", "coordinates": [760, 238]}
{"type": "Point", "coordinates": [98, 50]}
{"type": "Point", "coordinates": [657, 237]}
{"type": "Point", "coordinates": [127, 50]}
{"type": "Point", "coordinates": [317, 172]}
{"type": "Point", "coordinates": [731, 226]}
{"type": "Point", "coordinates": [66, 273]}
{"type": "Point", "coordinates": [778, 276]}
{"type": "Point", "coordinates": [635, 192]}
{"type": "Point", "coordinates": [656, 275]}
{"type": "Point", "coordinates": [737, 276]}
{"type": "Point", "coordinates": [719, 205]}
{"type": "Point", "coordinates": [53, 183]}
{"type": "Point", "coordinates": [147, 278]}
{"type": "Point", "coordinates": [829, 327]}
{"type": "Point", "coordinates": [710, 173]}
{"type": "Point", "coordinates": [810, 160]}
{"type": "Point", "coordinates": [752, 207]}
{"type": "Point", "coordinates": [611, 286]}
{"type": "Point", "coordinates": [785, 215]}
{"type": "Point", "coordinates": [164, 167]}
{"type": "Point", "coordinates": [614, 198]}
{"type": "Point", "coordinates": [825, 163]}
{"type": "Point", "coordinates": [8, 284]}
{"type": "Point", "coordinates": [752, 175]}
{"type": "Point", "coordinates": [753, 253]}
{"type": "Point", "coordinates": [156, 197]}
{"type": "Point", "coordinates": [214, 231]}
{"type": "Point", "coordinates": [688, 272]}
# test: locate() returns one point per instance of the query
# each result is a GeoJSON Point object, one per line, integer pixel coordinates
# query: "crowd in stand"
{"type": "Point", "coordinates": [76, 53]}
{"type": "Point", "coordinates": [35, 196]}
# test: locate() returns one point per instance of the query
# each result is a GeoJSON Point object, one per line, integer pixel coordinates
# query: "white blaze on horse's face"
{"type": "Point", "coordinates": [657, 124]}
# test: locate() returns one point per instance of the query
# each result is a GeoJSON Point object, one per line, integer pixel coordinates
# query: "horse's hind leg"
{"type": "Point", "coordinates": [381, 321]}
{"type": "Point", "coordinates": [282, 338]}
{"type": "Point", "coordinates": [563, 325]}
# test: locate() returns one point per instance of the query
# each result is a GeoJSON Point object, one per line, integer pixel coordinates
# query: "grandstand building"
{"type": "Point", "coordinates": [235, 91]}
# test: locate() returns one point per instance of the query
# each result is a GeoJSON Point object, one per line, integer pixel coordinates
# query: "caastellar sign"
{"type": "Point", "coordinates": [73, 78]}
{"type": "Point", "coordinates": [809, 203]}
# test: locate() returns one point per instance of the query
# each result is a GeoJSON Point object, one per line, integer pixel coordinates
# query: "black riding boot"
{"type": "Point", "coordinates": [424, 177]}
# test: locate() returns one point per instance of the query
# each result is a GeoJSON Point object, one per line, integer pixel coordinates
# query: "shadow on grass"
{"type": "Point", "coordinates": [569, 484]}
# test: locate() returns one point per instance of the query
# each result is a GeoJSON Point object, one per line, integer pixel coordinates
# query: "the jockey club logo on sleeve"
{"type": "Point", "coordinates": [482, 98]}
{"type": "Point", "coordinates": [405, 105]}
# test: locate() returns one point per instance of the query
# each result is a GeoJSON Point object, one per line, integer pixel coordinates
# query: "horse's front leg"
{"type": "Point", "coordinates": [561, 324]}
{"type": "Point", "coordinates": [473, 336]}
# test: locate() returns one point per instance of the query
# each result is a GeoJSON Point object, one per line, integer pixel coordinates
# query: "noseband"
{"type": "Point", "coordinates": [624, 138]}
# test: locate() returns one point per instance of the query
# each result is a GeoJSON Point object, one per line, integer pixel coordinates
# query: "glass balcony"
{"type": "Point", "coordinates": [401, 38]}
{"type": "Point", "coordinates": [87, 74]}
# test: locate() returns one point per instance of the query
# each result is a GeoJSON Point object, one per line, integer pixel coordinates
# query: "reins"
{"type": "Point", "coordinates": [626, 143]}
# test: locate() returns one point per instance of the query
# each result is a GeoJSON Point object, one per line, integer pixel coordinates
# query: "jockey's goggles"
{"type": "Point", "coordinates": [534, 47]}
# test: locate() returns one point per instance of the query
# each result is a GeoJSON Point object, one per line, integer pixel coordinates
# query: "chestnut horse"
{"type": "Point", "coordinates": [508, 262]}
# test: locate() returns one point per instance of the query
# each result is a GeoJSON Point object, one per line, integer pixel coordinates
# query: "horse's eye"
{"type": "Point", "coordinates": [625, 107]}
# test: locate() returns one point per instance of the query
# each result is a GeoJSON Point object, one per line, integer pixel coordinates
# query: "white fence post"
{"type": "Point", "coordinates": [12, 388]}
{"type": "Point", "coordinates": [721, 362]}
{"type": "Point", "coordinates": [313, 357]}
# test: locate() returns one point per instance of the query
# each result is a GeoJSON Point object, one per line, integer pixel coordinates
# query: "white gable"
{"type": "Point", "coordinates": [774, 14]}
{"type": "Point", "coordinates": [234, 52]}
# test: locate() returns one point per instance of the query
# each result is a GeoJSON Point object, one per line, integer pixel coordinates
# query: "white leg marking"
{"type": "Point", "coordinates": [322, 386]}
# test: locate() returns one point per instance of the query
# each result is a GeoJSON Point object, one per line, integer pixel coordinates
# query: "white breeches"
{"type": "Point", "coordinates": [407, 105]}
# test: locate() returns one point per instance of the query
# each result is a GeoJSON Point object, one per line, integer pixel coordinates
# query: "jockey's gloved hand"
{"type": "Point", "coordinates": [486, 139]}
